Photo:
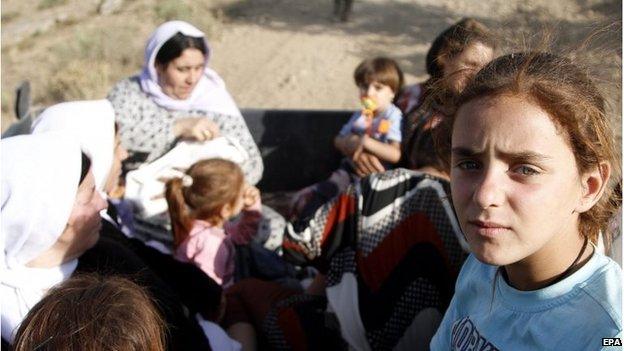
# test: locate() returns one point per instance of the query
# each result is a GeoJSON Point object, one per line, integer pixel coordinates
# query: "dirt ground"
{"type": "Point", "coordinates": [287, 54]}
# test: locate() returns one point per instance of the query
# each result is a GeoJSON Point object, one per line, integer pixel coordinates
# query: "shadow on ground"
{"type": "Point", "coordinates": [417, 25]}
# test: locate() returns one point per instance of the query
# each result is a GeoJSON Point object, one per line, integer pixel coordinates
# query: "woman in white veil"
{"type": "Point", "coordinates": [50, 230]}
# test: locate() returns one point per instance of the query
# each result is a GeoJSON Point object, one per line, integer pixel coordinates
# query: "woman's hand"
{"type": "Point", "coordinates": [251, 194]}
{"type": "Point", "coordinates": [354, 144]}
{"type": "Point", "coordinates": [349, 145]}
{"type": "Point", "coordinates": [366, 163]}
{"type": "Point", "coordinates": [195, 128]}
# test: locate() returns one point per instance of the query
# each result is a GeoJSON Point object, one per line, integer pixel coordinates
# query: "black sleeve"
{"type": "Point", "coordinates": [109, 258]}
{"type": "Point", "coordinates": [196, 289]}
{"type": "Point", "coordinates": [5, 345]}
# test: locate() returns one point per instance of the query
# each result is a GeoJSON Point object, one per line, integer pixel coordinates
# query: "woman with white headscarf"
{"type": "Point", "coordinates": [50, 216]}
{"type": "Point", "coordinates": [93, 124]}
{"type": "Point", "coordinates": [178, 97]}
{"type": "Point", "coordinates": [50, 229]}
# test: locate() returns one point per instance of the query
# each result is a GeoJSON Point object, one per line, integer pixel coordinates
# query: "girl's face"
{"type": "Point", "coordinates": [381, 93]}
{"type": "Point", "coordinates": [178, 78]}
{"type": "Point", "coordinates": [83, 226]}
{"type": "Point", "coordinates": [514, 180]}
{"type": "Point", "coordinates": [119, 155]}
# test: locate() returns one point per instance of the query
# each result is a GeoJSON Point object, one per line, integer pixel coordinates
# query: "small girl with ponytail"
{"type": "Point", "coordinates": [200, 204]}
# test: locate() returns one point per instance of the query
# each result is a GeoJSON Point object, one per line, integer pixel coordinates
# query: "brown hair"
{"type": "Point", "coordinates": [567, 93]}
{"type": "Point", "coordinates": [91, 312]}
{"type": "Point", "coordinates": [438, 91]}
{"type": "Point", "coordinates": [216, 183]}
{"type": "Point", "coordinates": [422, 148]}
{"type": "Point", "coordinates": [381, 69]}
{"type": "Point", "coordinates": [453, 41]}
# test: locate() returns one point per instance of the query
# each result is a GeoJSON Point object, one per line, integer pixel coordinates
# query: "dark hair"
{"type": "Point", "coordinates": [174, 47]}
{"type": "Point", "coordinates": [440, 91]}
{"type": "Point", "coordinates": [381, 69]}
{"type": "Point", "coordinates": [423, 147]}
{"type": "Point", "coordinates": [566, 92]}
{"type": "Point", "coordinates": [91, 312]}
{"type": "Point", "coordinates": [84, 167]}
{"type": "Point", "coordinates": [453, 41]}
{"type": "Point", "coordinates": [216, 183]}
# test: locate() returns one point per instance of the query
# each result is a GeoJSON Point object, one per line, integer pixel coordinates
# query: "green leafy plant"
{"type": "Point", "coordinates": [46, 4]}
{"type": "Point", "coordinates": [172, 9]}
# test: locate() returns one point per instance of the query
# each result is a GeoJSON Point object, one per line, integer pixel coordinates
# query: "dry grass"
{"type": "Point", "coordinates": [81, 58]}
{"type": "Point", "coordinates": [172, 9]}
{"type": "Point", "coordinates": [286, 45]}
{"type": "Point", "coordinates": [80, 80]}
{"type": "Point", "coordinates": [46, 4]}
{"type": "Point", "coordinates": [9, 16]}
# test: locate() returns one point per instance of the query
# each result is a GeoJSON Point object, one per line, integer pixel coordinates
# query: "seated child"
{"type": "Point", "coordinates": [375, 129]}
{"type": "Point", "coordinates": [200, 205]}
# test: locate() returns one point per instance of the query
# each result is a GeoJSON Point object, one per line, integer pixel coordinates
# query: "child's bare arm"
{"type": "Point", "coordinates": [388, 152]}
{"type": "Point", "coordinates": [245, 228]}
{"type": "Point", "coordinates": [348, 144]}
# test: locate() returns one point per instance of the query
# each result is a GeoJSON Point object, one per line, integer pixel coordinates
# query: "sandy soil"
{"type": "Point", "coordinates": [277, 53]}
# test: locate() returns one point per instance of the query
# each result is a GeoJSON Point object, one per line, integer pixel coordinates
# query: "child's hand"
{"type": "Point", "coordinates": [361, 149]}
{"type": "Point", "coordinates": [250, 196]}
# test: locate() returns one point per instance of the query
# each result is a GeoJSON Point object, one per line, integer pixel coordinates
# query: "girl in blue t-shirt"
{"type": "Point", "coordinates": [531, 158]}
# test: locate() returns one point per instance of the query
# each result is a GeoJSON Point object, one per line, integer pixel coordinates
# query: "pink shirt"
{"type": "Point", "coordinates": [212, 248]}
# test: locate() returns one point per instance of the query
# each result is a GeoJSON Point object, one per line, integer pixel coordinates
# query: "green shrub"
{"type": "Point", "coordinates": [168, 10]}
{"type": "Point", "coordinates": [46, 4]}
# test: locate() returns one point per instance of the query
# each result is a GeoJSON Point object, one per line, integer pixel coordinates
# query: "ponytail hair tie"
{"type": "Point", "coordinates": [187, 180]}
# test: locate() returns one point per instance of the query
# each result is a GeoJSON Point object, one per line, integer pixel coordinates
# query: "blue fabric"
{"type": "Point", "coordinates": [573, 314]}
{"type": "Point", "coordinates": [254, 260]}
{"type": "Point", "coordinates": [357, 125]}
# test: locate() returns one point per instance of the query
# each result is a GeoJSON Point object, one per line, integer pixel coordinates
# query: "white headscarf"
{"type": "Point", "coordinates": [93, 125]}
{"type": "Point", "coordinates": [209, 94]}
{"type": "Point", "coordinates": [40, 176]}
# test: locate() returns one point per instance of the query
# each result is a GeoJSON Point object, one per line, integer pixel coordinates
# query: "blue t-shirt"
{"type": "Point", "coordinates": [573, 314]}
{"type": "Point", "coordinates": [391, 116]}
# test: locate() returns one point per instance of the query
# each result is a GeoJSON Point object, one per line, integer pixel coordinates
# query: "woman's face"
{"type": "Point", "coordinates": [178, 78]}
{"type": "Point", "coordinates": [83, 226]}
{"type": "Point", "coordinates": [514, 180]}
{"type": "Point", "coordinates": [461, 68]}
{"type": "Point", "coordinates": [119, 155]}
